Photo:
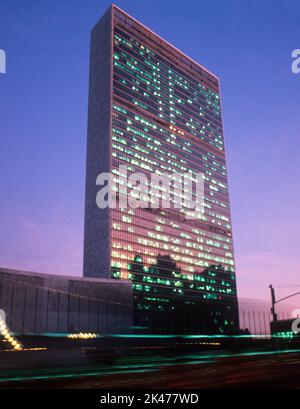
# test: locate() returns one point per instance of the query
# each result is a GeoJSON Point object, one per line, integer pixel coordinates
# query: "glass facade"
{"type": "Point", "coordinates": [166, 117]}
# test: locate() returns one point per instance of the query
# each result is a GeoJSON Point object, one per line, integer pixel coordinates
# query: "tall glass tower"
{"type": "Point", "coordinates": [156, 110]}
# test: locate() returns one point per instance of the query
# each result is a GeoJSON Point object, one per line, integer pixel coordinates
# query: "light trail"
{"type": "Point", "coordinates": [142, 367]}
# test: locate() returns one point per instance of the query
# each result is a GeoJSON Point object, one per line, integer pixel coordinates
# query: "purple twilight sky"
{"type": "Point", "coordinates": [43, 116]}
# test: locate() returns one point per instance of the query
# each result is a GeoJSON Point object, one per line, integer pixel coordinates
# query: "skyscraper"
{"type": "Point", "coordinates": [155, 110]}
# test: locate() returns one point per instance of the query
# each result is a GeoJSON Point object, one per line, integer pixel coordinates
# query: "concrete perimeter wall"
{"type": "Point", "coordinates": [43, 303]}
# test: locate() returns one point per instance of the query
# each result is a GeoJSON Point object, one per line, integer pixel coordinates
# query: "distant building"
{"type": "Point", "coordinates": [283, 328]}
{"type": "Point", "coordinates": [154, 109]}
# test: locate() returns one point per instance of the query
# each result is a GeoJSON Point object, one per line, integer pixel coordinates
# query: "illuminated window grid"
{"type": "Point", "coordinates": [154, 163]}
{"type": "Point", "coordinates": [193, 105]}
{"type": "Point", "coordinates": [131, 237]}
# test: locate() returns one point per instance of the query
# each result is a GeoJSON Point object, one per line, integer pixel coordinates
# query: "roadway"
{"type": "Point", "coordinates": [150, 368]}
